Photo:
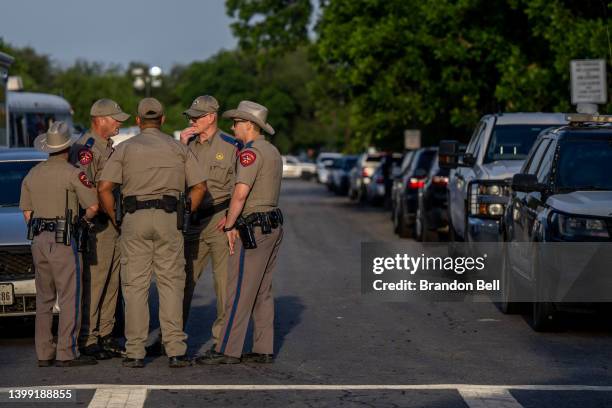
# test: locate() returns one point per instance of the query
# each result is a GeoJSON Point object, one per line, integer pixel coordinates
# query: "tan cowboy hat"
{"type": "Point", "coordinates": [56, 139]}
{"type": "Point", "coordinates": [253, 112]}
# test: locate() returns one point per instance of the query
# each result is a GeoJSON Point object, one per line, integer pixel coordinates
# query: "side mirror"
{"type": "Point", "coordinates": [525, 183]}
{"type": "Point", "coordinates": [469, 160]}
{"type": "Point", "coordinates": [448, 154]}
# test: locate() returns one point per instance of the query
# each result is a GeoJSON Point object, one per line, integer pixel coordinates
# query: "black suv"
{"type": "Point", "coordinates": [563, 193]}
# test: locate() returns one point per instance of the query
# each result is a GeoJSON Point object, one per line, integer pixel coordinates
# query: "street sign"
{"type": "Point", "coordinates": [589, 84]}
{"type": "Point", "coordinates": [412, 139]}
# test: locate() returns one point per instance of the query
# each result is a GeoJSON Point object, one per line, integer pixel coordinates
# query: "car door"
{"type": "Point", "coordinates": [526, 207]}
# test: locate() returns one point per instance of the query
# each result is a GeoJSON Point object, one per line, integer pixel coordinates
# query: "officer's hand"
{"type": "Point", "coordinates": [231, 239]}
{"type": "Point", "coordinates": [187, 133]}
{"type": "Point", "coordinates": [221, 224]}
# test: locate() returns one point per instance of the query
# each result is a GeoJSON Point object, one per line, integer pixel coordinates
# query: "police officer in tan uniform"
{"type": "Point", "coordinates": [48, 190]}
{"type": "Point", "coordinates": [101, 263]}
{"type": "Point", "coordinates": [254, 215]}
{"type": "Point", "coordinates": [153, 170]}
{"type": "Point", "coordinates": [216, 154]}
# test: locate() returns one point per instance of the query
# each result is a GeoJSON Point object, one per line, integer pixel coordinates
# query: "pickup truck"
{"type": "Point", "coordinates": [478, 185]}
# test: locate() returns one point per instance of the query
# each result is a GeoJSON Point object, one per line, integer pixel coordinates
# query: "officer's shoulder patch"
{"type": "Point", "coordinates": [85, 180]}
{"type": "Point", "coordinates": [247, 158]}
{"type": "Point", "coordinates": [85, 156]}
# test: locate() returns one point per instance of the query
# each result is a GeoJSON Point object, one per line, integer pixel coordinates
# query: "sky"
{"type": "Point", "coordinates": [155, 32]}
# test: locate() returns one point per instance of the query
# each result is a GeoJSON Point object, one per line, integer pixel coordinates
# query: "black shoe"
{"type": "Point", "coordinates": [156, 349]}
{"type": "Point", "coordinates": [178, 362]}
{"type": "Point", "coordinates": [258, 358]}
{"type": "Point", "coordinates": [95, 351]}
{"type": "Point", "coordinates": [77, 362]}
{"type": "Point", "coordinates": [213, 358]}
{"type": "Point", "coordinates": [133, 362]}
{"type": "Point", "coordinates": [46, 363]}
{"type": "Point", "coordinates": [112, 346]}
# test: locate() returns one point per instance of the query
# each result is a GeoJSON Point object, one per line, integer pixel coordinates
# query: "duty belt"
{"type": "Point", "coordinates": [206, 212]}
{"type": "Point", "coordinates": [266, 220]}
{"type": "Point", "coordinates": [44, 224]}
{"type": "Point", "coordinates": [167, 203]}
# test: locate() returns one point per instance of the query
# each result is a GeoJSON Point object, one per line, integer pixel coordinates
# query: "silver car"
{"type": "Point", "coordinates": [17, 288]}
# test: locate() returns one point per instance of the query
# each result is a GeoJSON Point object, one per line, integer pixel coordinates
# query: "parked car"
{"type": "Point", "coordinates": [432, 202]}
{"type": "Point", "coordinates": [339, 174]}
{"type": "Point", "coordinates": [309, 169]}
{"type": "Point", "coordinates": [378, 191]}
{"type": "Point", "coordinates": [17, 288]}
{"type": "Point", "coordinates": [477, 188]}
{"type": "Point", "coordinates": [407, 188]}
{"type": "Point", "coordinates": [291, 167]}
{"type": "Point", "coordinates": [324, 160]}
{"type": "Point", "coordinates": [361, 174]}
{"type": "Point", "coordinates": [563, 193]}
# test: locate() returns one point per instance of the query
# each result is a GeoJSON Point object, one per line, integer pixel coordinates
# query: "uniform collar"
{"type": "Point", "coordinates": [258, 138]}
{"type": "Point", "coordinates": [98, 139]}
{"type": "Point", "coordinates": [210, 139]}
{"type": "Point", "coordinates": [56, 159]}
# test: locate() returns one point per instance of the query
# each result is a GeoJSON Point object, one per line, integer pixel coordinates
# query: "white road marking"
{"type": "Point", "coordinates": [119, 398]}
{"type": "Point", "coordinates": [488, 398]}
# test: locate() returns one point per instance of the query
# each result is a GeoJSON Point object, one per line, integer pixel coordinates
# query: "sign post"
{"type": "Point", "coordinates": [589, 85]}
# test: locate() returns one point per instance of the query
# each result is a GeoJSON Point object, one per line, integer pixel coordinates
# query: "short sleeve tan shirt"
{"type": "Point", "coordinates": [217, 156]}
{"type": "Point", "coordinates": [152, 164]}
{"type": "Point", "coordinates": [43, 190]}
{"type": "Point", "coordinates": [260, 166]}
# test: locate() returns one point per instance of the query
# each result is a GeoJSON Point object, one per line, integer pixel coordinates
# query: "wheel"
{"type": "Point", "coordinates": [395, 220]}
{"type": "Point", "coordinates": [403, 230]}
{"type": "Point", "coordinates": [361, 195]}
{"type": "Point", "coordinates": [507, 286]}
{"type": "Point", "coordinates": [418, 225]}
{"type": "Point", "coordinates": [542, 313]}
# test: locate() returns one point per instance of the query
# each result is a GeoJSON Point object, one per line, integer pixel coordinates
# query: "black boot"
{"type": "Point", "coordinates": [179, 362]}
{"type": "Point", "coordinates": [112, 346]}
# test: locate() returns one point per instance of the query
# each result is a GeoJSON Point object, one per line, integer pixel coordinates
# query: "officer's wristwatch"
{"type": "Point", "coordinates": [229, 228]}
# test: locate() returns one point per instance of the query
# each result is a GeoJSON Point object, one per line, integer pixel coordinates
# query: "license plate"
{"type": "Point", "coordinates": [7, 296]}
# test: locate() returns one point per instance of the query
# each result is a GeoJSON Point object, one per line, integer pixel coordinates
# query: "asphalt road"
{"type": "Point", "coordinates": [335, 348]}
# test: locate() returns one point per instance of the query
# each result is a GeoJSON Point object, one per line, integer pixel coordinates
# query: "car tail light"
{"type": "Point", "coordinates": [439, 180]}
{"type": "Point", "coordinates": [365, 172]}
{"type": "Point", "coordinates": [415, 183]}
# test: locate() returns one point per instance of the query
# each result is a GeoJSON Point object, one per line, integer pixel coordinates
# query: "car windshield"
{"type": "Point", "coordinates": [512, 142]}
{"type": "Point", "coordinates": [11, 176]}
{"type": "Point", "coordinates": [349, 163]}
{"type": "Point", "coordinates": [585, 165]}
{"type": "Point", "coordinates": [425, 160]}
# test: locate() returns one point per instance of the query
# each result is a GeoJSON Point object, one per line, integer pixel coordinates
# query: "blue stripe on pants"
{"type": "Point", "coordinates": [77, 300]}
{"type": "Point", "coordinates": [235, 305]}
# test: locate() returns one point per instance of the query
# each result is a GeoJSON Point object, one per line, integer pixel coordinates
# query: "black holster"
{"type": "Point", "coordinates": [247, 234]}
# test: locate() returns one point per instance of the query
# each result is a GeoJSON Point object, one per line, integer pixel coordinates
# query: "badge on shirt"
{"type": "Point", "coordinates": [85, 156]}
{"type": "Point", "coordinates": [219, 156]}
{"type": "Point", "coordinates": [85, 180]}
{"type": "Point", "coordinates": [247, 158]}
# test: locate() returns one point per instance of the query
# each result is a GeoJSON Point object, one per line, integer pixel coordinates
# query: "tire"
{"type": "Point", "coordinates": [507, 286]}
{"type": "Point", "coordinates": [403, 230]}
{"type": "Point", "coordinates": [542, 317]}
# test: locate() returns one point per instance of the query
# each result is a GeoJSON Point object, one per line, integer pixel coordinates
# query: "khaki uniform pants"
{"type": "Point", "coordinates": [58, 274]}
{"type": "Point", "coordinates": [250, 292]}
{"type": "Point", "coordinates": [150, 243]}
{"type": "Point", "coordinates": [100, 284]}
{"type": "Point", "coordinates": [201, 245]}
